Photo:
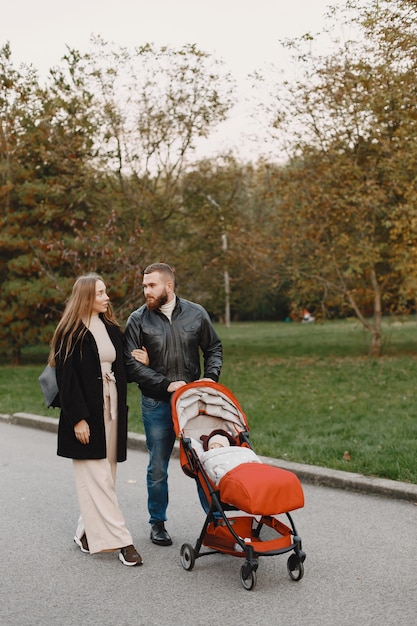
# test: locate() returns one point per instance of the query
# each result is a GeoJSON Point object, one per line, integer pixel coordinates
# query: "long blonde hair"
{"type": "Point", "coordinates": [78, 310]}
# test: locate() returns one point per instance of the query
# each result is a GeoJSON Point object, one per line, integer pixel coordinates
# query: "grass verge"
{"type": "Point", "coordinates": [309, 392]}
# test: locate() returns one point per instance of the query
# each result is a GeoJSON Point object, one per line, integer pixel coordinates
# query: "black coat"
{"type": "Point", "coordinates": [81, 394]}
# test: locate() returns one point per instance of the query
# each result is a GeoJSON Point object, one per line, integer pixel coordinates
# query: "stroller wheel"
{"type": "Point", "coordinates": [247, 578]}
{"type": "Point", "coordinates": [295, 567]}
{"type": "Point", "coordinates": [187, 556]}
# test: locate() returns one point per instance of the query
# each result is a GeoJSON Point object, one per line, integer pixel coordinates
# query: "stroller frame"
{"type": "Point", "coordinates": [229, 530]}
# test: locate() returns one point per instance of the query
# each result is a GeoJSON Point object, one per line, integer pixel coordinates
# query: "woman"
{"type": "Point", "coordinates": [87, 350]}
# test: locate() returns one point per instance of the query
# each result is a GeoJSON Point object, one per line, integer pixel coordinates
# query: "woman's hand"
{"type": "Point", "coordinates": [82, 431]}
{"type": "Point", "coordinates": [141, 355]}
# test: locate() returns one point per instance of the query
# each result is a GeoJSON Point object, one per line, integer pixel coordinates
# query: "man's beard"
{"type": "Point", "coordinates": [156, 303]}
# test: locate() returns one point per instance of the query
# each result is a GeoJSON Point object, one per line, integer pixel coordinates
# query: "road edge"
{"type": "Point", "coordinates": [306, 473]}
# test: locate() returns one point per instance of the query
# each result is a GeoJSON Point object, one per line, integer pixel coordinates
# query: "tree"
{"type": "Point", "coordinates": [46, 197]}
{"type": "Point", "coordinates": [347, 195]}
{"type": "Point", "coordinates": [223, 253]}
{"type": "Point", "coordinates": [90, 173]}
{"type": "Point", "coordinates": [150, 107]}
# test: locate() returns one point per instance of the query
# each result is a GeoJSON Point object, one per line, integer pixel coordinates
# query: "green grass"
{"type": "Point", "coordinates": [310, 394]}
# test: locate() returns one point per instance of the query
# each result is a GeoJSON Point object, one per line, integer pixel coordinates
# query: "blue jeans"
{"type": "Point", "coordinates": [160, 438]}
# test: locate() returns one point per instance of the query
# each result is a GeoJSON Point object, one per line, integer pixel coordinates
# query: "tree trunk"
{"type": "Point", "coordinates": [376, 341]}
{"type": "Point", "coordinates": [375, 327]}
{"type": "Point", "coordinates": [376, 334]}
{"type": "Point", "coordinates": [16, 356]}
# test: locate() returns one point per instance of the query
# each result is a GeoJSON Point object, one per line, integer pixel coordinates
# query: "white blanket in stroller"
{"type": "Point", "coordinates": [218, 461]}
{"type": "Point", "coordinates": [247, 483]}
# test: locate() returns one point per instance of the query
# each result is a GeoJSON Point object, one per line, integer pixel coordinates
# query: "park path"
{"type": "Point", "coordinates": [361, 565]}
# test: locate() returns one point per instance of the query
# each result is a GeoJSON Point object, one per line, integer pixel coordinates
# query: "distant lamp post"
{"type": "Point", "coordinates": [225, 272]}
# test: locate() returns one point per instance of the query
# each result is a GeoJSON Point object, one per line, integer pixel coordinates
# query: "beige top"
{"type": "Point", "coordinates": [107, 354]}
{"type": "Point", "coordinates": [106, 349]}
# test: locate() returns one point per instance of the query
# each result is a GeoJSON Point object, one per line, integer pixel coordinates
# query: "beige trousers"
{"type": "Point", "coordinates": [101, 519]}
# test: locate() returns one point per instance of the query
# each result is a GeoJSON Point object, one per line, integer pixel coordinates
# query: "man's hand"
{"type": "Point", "coordinates": [176, 385]}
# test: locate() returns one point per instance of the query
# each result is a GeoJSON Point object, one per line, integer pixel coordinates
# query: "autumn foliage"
{"type": "Point", "coordinates": [97, 173]}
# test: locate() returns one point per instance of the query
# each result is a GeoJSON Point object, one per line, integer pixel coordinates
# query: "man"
{"type": "Point", "coordinates": [172, 331]}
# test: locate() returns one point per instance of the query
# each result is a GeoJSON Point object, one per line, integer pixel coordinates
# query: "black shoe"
{"type": "Point", "coordinates": [159, 534]}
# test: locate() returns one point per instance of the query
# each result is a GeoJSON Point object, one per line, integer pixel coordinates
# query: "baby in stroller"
{"type": "Point", "coordinates": [221, 454]}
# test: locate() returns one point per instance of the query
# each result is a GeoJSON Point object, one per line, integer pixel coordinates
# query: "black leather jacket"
{"type": "Point", "coordinates": [173, 347]}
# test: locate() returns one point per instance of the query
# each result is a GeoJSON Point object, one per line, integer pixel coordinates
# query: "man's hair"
{"type": "Point", "coordinates": [162, 268]}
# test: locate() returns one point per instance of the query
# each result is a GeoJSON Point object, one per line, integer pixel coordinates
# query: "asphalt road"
{"type": "Point", "coordinates": [361, 565]}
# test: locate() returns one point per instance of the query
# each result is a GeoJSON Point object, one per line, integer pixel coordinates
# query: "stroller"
{"type": "Point", "coordinates": [243, 509]}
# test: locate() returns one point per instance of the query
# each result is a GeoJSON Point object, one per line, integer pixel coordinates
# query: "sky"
{"type": "Point", "coordinates": [245, 34]}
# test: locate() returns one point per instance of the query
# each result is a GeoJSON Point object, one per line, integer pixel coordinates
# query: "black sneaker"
{"type": "Point", "coordinates": [82, 543]}
{"type": "Point", "coordinates": [129, 556]}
